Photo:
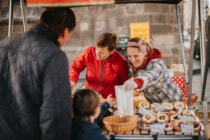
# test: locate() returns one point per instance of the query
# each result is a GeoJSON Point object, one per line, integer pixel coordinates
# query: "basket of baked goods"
{"type": "Point", "coordinates": [168, 118]}
{"type": "Point", "coordinates": [117, 124]}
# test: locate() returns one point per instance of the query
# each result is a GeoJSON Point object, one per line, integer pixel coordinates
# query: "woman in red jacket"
{"type": "Point", "coordinates": [105, 67]}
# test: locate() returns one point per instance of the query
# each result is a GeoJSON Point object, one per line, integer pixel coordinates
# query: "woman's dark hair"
{"type": "Point", "coordinates": [57, 19]}
{"type": "Point", "coordinates": [85, 101]}
{"type": "Point", "coordinates": [107, 40]}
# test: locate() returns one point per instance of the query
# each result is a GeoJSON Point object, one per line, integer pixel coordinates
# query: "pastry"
{"type": "Point", "coordinates": [197, 126]}
{"type": "Point", "coordinates": [194, 99]}
{"type": "Point", "coordinates": [186, 112]}
{"type": "Point", "coordinates": [137, 98]}
{"type": "Point", "coordinates": [172, 112]}
{"type": "Point", "coordinates": [177, 125]}
{"type": "Point", "coordinates": [179, 105]}
{"type": "Point", "coordinates": [136, 93]}
{"type": "Point", "coordinates": [154, 105]}
{"type": "Point", "coordinates": [162, 117]}
{"type": "Point", "coordinates": [168, 126]}
{"type": "Point", "coordinates": [168, 106]}
{"type": "Point", "coordinates": [143, 104]}
{"type": "Point", "coordinates": [148, 118]}
{"type": "Point", "coordinates": [174, 117]}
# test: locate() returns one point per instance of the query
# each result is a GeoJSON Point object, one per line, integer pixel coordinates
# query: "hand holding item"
{"type": "Point", "coordinates": [130, 84]}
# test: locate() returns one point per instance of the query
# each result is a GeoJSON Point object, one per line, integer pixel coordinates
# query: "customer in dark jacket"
{"type": "Point", "coordinates": [34, 87]}
{"type": "Point", "coordinates": [86, 110]}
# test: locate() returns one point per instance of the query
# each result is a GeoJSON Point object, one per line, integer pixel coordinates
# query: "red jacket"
{"type": "Point", "coordinates": [115, 71]}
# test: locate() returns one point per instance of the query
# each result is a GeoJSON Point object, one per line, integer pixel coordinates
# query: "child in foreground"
{"type": "Point", "coordinates": [86, 110]}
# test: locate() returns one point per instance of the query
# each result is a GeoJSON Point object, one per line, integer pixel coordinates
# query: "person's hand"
{"type": "Point", "coordinates": [110, 100]}
{"type": "Point", "coordinates": [130, 84]}
{"type": "Point", "coordinates": [72, 84]}
{"type": "Point", "coordinates": [101, 99]}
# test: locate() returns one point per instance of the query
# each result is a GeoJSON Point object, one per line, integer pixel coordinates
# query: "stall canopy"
{"type": "Point", "coordinates": [52, 3]}
{"type": "Point", "coordinates": [149, 1]}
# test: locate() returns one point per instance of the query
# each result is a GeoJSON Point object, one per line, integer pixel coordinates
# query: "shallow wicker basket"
{"type": "Point", "coordinates": [116, 124]}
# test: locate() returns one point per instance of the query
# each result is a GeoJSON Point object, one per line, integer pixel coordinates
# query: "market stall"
{"type": "Point", "coordinates": [156, 121]}
{"type": "Point", "coordinates": [137, 132]}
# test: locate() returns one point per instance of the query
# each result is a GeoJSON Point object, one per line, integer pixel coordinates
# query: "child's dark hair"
{"type": "Point", "coordinates": [85, 101]}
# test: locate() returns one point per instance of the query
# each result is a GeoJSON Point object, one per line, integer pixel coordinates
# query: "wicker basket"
{"type": "Point", "coordinates": [116, 124]}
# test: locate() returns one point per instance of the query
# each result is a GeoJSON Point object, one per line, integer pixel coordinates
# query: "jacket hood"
{"type": "Point", "coordinates": [154, 54]}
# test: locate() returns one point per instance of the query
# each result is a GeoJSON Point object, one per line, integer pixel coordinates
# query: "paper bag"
{"type": "Point", "coordinates": [124, 101]}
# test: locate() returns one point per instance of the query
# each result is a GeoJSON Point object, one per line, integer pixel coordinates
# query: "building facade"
{"type": "Point", "coordinates": [116, 18]}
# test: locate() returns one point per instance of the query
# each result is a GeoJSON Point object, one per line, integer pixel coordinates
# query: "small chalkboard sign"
{"type": "Point", "coordinates": [187, 118]}
{"type": "Point", "coordinates": [160, 108]}
{"type": "Point", "coordinates": [187, 128]}
{"type": "Point", "coordinates": [157, 127]}
{"type": "Point", "coordinates": [143, 111]}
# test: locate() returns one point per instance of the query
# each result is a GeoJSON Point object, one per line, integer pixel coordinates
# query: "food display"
{"type": "Point", "coordinates": [167, 117]}
{"type": "Point", "coordinates": [138, 97]}
{"type": "Point", "coordinates": [179, 105]}
{"type": "Point", "coordinates": [168, 106]}
{"type": "Point", "coordinates": [168, 126]}
{"type": "Point", "coordinates": [143, 104]}
{"type": "Point", "coordinates": [162, 117]}
{"type": "Point", "coordinates": [148, 118]}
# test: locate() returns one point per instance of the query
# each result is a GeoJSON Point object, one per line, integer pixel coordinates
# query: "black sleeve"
{"type": "Point", "coordinates": [104, 112]}
{"type": "Point", "coordinates": [55, 111]}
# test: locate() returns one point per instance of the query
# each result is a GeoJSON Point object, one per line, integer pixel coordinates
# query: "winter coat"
{"type": "Point", "coordinates": [84, 130]}
{"type": "Point", "coordinates": [155, 82]}
{"type": "Point", "coordinates": [34, 88]}
{"type": "Point", "coordinates": [113, 70]}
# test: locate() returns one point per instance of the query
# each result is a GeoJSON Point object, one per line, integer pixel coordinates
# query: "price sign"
{"type": "Point", "coordinates": [160, 108]}
{"type": "Point", "coordinates": [143, 111]}
{"type": "Point", "coordinates": [140, 29]}
{"type": "Point", "coordinates": [187, 118]}
{"type": "Point", "coordinates": [187, 128]}
{"type": "Point", "coordinates": [157, 127]}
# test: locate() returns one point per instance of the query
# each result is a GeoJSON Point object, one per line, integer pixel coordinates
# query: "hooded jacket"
{"type": "Point", "coordinates": [154, 80]}
{"type": "Point", "coordinates": [34, 88]}
{"type": "Point", "coordinates": [112, 71]}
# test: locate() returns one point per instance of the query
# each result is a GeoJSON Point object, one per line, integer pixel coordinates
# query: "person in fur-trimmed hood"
{"type": "Point", "coordinates": [150, 73]}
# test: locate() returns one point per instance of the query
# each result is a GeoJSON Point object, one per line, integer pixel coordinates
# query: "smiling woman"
{"type": "Point", "coordinates": [150, 73]}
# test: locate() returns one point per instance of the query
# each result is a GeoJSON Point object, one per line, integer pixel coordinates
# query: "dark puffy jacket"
{"type": "Point", "coordinates": [84, 130]}
{"type": "Point", "coordinates": [35, 99]}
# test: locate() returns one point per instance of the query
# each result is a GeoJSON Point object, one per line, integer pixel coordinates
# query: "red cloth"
{"type": "Point", "coordinates": [115, 71]}
{"type": "Point", "coordinates": [139, 82]}
{"type": "Point", "coordinates": [67, 2]}
{"type": "Point", "coordinates": [181, 83]}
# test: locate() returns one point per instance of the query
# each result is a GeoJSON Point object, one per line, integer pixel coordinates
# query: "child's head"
{"type": "Point", "coordinates": [86, 104]}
